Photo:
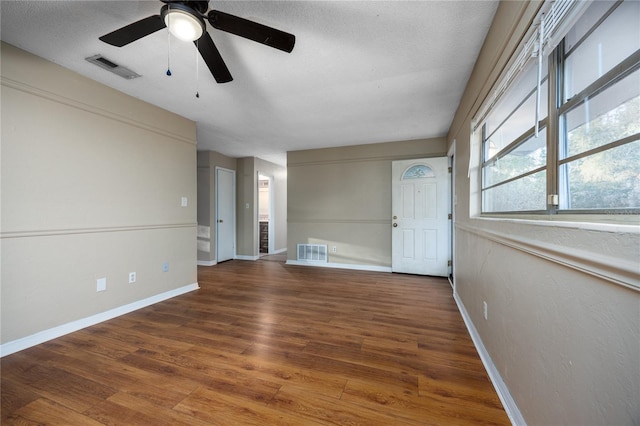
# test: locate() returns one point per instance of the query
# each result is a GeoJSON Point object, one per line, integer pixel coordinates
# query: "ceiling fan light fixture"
{"type": "Point", "coordinates": [186, 19]}
{"type": "Point", "coordinates": [183, 22]}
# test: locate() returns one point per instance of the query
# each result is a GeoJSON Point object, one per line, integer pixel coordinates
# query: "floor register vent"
{"type": "Point", "coordinates": [312, 252]}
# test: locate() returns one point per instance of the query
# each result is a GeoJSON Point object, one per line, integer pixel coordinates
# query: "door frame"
{"type": "Point", "coordinates": [233, 210]}
{"type": "Point", "coordinates": [453, 201]}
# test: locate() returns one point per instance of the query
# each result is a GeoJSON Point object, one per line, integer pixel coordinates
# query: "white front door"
{"type": "Point", "coordinates": [419, 203]}
{"type": "Point", "coordinates": [225, 214]}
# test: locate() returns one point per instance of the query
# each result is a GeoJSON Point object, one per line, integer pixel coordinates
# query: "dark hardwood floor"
{"type": "Point", "coordinates": [263, 343]}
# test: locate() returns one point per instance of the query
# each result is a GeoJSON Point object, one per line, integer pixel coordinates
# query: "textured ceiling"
{"type": "Point", "coordinates": [360, 72]}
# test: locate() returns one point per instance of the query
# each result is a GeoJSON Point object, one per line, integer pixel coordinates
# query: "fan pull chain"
{"type": "Point", "coordinates": [169, 47]}
{"type": "Point", "coordinates": [197, 70]}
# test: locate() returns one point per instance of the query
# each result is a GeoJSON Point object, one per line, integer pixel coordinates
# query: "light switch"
{"type": "Point", "coordinates": [101, 284]}
{"type": "Point", "coordinates": [184, 202]}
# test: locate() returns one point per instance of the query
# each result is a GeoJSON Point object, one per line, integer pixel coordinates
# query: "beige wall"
{"type": "Point", "coordinates": [246, 208]}
{"type": "Point", "coordinates": [207, 163]}
{"type": "Point", "coordinates": [247, 237]}
{"type": "Point", "coordinates": [342, 197]}
{"type": "Point", "coordinates": [563, 324]}
{"type": "Point", "coordinates": [92, 182]}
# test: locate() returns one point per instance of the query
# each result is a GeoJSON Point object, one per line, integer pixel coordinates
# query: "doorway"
{"type": "Point", "coordinates": [419, 200]}
{"type": "Point", "coordinates": [265, 214]}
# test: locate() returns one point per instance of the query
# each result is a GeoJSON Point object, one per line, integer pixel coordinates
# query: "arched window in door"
{"type": "Point", "coordinates": [418, 172]}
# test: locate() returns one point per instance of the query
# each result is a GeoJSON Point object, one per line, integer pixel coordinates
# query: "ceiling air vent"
{"type": "Point", "coordinates": [108, 65]}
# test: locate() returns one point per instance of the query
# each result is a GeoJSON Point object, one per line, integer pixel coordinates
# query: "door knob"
{"type": "Point", "coordinates": [220, 221]}
{"type": "Point", "coordinates": [395, 225]}
{"type": "Point", "coordinates": [395, 217]}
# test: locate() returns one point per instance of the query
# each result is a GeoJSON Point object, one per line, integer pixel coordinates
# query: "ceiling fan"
{"type": "Point", "coordinates": [186, 21]}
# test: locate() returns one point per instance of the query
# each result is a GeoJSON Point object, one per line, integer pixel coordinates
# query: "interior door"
{"type": "Point", "coordinates": [225, 214]}
{"type": "Point", "coordinates": [419, 236]}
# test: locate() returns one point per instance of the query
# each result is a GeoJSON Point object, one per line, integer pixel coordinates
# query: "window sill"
{"type": "Point", "coordinates": [628, 223]}
{"type": "Point", "coordinates": [609, 251]}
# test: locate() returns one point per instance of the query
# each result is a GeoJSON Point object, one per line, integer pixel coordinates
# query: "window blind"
{"type": "Point", "coordinates": [556, 18]}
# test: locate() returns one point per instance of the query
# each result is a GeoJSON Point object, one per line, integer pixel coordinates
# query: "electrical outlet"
{"type": "Point", "coordinates": [101, 284]}
{"type": "Point", "coordinates": [132, 277]}
{"type": "Point", "coordinates": [334, 249]}
{"type": "Point", "coordinates": [484, 309]}
{"type": "Point", "coordinates": [184, 202]}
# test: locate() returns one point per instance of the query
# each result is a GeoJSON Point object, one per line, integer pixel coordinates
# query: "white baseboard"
{"type": "Point", "coordinates": [244, 257]}
{"type": "Point", "coordinates": [507, 400]}
{"type": "Point", "coordinates": [52, 333]}
{"type": "Point", "coordinates": [373, 268]}
{"type": "Point", "coordinates": [282, 250]}
{"type": "Point", "coordinates": [207, 262]}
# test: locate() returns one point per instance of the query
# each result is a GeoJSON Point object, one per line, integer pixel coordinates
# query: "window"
{"type": "Point", "coordinates": [418, 172]}
{"type": "Point", "coordinates": [570, 143]}
{"type": "Point", "coordinates": [514, 159]}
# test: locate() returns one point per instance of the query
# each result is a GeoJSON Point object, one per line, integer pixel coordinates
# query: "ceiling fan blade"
{"type": "Point", "coordinates": [133, 32]}
{"type": "Point", "coordinates": [252, 30]}
{"type": "Point", "coordinates": [212, 58]}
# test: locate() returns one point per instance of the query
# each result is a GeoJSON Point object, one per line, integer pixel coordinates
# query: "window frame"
{"type": "Point", "coordinates": [553, 125]}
